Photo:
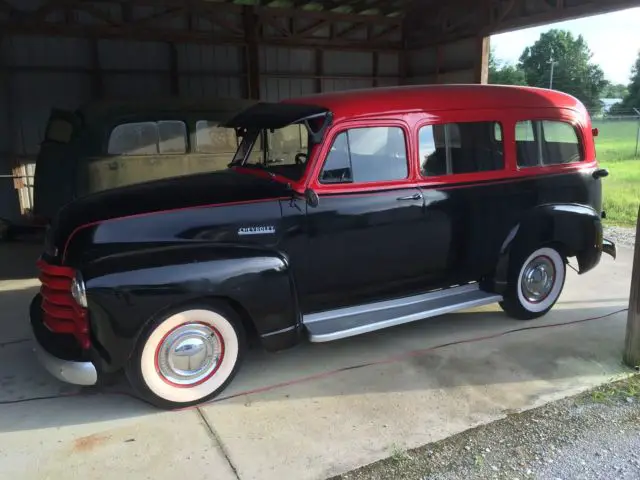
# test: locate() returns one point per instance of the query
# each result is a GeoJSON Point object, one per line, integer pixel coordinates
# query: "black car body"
{"type": "Point", "coordinates": [328, 224]}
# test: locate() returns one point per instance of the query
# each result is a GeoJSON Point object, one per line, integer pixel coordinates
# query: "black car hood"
{"type": "Point", "coordinates": [223, 187]}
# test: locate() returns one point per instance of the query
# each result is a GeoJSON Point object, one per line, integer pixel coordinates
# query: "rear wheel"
{"type": "Point", "coordinates": [535, 284]}
{"type": "Point", "coordinates": [188, 356]}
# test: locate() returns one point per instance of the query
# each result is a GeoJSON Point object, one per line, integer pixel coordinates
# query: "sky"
{"type": "Point", "coordinates": [614, 39]}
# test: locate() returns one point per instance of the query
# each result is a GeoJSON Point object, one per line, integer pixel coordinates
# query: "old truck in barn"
{"type": "Point", "coordinates": [340, 214]}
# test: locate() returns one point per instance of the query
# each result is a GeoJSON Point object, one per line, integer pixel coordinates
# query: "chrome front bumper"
{"type": "Point", "coordinates": [49, 348]}
{"type": "Point", "coordinates": [609, 248]}
{"type": "Point", "coordinates": [78, 373]}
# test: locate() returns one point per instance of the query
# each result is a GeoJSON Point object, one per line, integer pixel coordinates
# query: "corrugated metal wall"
{"type": "Point", "coordinates": [38, 73]}
{"type": "Point", "coordinates": [452, 62]}
{"type": "Point", "coordinates": [46, 72]}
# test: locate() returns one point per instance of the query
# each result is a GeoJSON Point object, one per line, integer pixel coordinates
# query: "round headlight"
{"type": "Point", "coordinates": [78, 291]}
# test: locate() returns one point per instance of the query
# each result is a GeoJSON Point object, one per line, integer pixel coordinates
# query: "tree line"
{"type": "Point", "coordinates": [561, 61]}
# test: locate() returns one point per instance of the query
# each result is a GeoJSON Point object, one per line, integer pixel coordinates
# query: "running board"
{"type": "Point", "coordinates": [348, 322]}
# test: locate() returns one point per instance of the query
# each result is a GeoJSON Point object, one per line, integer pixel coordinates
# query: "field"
{"type": "Point", "coordinates": [615, 147]}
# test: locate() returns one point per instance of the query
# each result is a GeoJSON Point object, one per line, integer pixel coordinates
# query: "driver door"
{"type": "Point", "coordinates": [366, 233]}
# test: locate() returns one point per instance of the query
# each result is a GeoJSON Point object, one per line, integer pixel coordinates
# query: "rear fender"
{"type": "Point", "coordinates": [575, 229]}
{"type": "Point", "coordinates": [126, 291]}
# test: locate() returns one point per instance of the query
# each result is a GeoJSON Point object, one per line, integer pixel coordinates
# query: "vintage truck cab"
{"type": "Point", "coordinates": [340, 214]}
{"type": "Point", "coordinates": [109, 144]}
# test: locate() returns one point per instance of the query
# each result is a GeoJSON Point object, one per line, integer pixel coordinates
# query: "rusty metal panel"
{"type": "Point", "coordinates": [275, 89]}
{"type": "Point", "coordinates": [127, 85]}
{"type": "Point", "coordinates": [128, 54]}
{"type": "Point", "coordinates": [459, 55]}
{"type": "Point", "coordinates": [348, 63]}
{"type": "Point", "coordinates": [336, 85]}
{"type": "Point", "coordinates": [5, 94]}
{"type": "Point", "coordinates": [389, 64]}
{"type": "Point", "coordinates": [388, 82]}
{"type": "Point", "coordinates": [422, 62]}
{"type": "Point", "coordinates": [210, 86]}
{"type": "Point", "coordinates": [210, 58]}
{"type": "Point", "coordinates": [111, 10]}
{"type": "Point", "coordinates": [160, 21]}
{"type": "Point", "coordinates": [25, 50]}
{"type": "Point", "coordinates": [286, 60]}
{"type": "Point", "coordinates": [33, 95]}
{"type": "Point", "coordinates": [351, 31]}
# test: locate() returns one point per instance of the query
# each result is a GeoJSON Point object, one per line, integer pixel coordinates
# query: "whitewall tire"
{"type": "Point", "coordinates": [187, 357]}
{"type": "Point", "coordinates": [535, 283]}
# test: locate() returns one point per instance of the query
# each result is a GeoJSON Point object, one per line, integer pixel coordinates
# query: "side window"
{"type": "Point", "coordinates": [546, 142]}
{"type": "Point", "coordinates": [172, 137]}
{"type": "Point", "coordinates": [465, 147]}
{"type": "Point", "coordinates": [210, 138]}
{"type": "Point", "coordinates": [285, 143]}
{"type": "Point", "coordinates": [561, 143]}
{"type": "Point", "coordinates": [148, 138]}
{"type": "Point", "coordinates": [527, 146]}
{"type": "Point", "coordinates": [370, 154]}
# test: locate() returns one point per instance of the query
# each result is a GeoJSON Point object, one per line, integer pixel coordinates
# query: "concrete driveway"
{"type": "Point", "coordinates": [316, 410]}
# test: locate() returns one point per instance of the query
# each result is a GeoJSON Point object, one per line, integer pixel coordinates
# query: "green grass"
{"type": "Point", "coordinates": [615, 149]}
{"type": "Point", "coordinates": [616, 140]}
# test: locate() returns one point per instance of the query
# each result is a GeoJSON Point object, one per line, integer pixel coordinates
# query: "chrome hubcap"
{"type": "Point", "coordinates": [538, 279]}
{"type": "Point", "coordinates": [189, 354]}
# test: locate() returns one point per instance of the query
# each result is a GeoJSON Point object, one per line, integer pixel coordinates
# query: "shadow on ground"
{"type": "Point", "coordinates": [18, 259]}
{"type": "Point", "coordinates": [397, 360]}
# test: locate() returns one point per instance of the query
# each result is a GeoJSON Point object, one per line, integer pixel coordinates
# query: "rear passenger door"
{"type": "Point", "coordinates": [463, 166]}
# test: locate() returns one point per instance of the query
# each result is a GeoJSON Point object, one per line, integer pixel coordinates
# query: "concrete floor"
{"type": "Point", "coordinates": [307, 412]}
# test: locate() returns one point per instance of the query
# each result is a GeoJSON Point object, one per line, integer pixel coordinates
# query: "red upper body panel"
{"type": "Point", "coordinates": [436, 98]}
{"type": "Point", "coordinates": [412, 107]}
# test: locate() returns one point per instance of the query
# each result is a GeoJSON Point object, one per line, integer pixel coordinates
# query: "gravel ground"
{"type": "Point", "coordinates": [595, 435]}
{"type": "Point", "coordinates": [622, 236]}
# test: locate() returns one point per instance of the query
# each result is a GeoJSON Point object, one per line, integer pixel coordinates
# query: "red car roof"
{"type": "Point", "coordinates": [431, 98]}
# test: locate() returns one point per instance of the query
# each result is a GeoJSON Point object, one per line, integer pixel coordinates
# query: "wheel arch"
{"type": "Point", "coordinates": [573, 230]}
{"type": "Point", "coordinates": [124, 296]}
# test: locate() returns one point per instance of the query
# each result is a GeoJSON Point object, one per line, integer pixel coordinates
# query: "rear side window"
{"type": "Point", "coordinates": [466, 147]}
{"type": "Point", "coordinates": [547, 142]}
{"type": "Point", "coordinates": [371, 154]}
{"type": "Point", "coordinates": [148, 138]}
{"type": "Point", "coordinates": [211, 138]}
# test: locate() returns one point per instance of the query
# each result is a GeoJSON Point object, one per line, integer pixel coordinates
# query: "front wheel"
{"type": "Point", "coordinates": [535, 283]}
{"type": "Point", "coordinates": [187, 357]}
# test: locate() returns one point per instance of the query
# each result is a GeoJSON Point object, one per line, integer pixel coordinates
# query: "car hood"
{"type": "Point", "coordinates": [222, 187]}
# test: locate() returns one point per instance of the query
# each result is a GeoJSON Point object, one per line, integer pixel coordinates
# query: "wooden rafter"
{"type": "Point", "coordinates": [5, 7]}
{"type": "Point", "coordinates": [288, 27]}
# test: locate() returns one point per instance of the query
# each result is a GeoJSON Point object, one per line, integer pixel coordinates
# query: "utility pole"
{"type": "Point", "coordinates": [637, 133]}
{"type": "Point", "coordinates": [632, 340]}
{"type": "Point", "coordinates": [553, 64]}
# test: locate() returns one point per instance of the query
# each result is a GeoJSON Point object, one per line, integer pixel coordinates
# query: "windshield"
{"type": "Point", "coordinates": [281, 151]}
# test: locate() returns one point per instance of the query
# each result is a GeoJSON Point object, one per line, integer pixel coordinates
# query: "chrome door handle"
{"type": "Point", "coordinates": [415, 196]}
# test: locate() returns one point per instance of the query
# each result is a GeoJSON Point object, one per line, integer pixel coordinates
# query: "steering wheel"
{"type": "Point", "coordinates": [301, 158]}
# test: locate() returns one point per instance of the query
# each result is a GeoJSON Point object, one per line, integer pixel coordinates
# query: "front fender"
{"type": "Point", "coordinates": [126, 291]}
{"type": "Point", "coordinates": [576, 229]}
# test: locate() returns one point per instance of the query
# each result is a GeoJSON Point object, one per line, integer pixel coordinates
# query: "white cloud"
{"type": "Point", "coordinates": [614, 39]}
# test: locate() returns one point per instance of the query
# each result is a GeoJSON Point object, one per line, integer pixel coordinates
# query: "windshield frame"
{"type": "Point", "coordinates": [260, 136]}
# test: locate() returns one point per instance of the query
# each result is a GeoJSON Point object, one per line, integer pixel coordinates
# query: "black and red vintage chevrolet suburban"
{"type": "Point", "coordinates": [340, 214]}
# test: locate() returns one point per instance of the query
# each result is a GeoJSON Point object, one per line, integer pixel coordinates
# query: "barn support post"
{"type": "Point", "coordinates": [481, 68]}
{"type": "Point", "coordinates": [97, 85]}
{"type": "Point", "coordinates": [252, 57]}
{"type": "Point", "coordinates": [319, 69]}
{"type": "Point", "coordinates": [174, 80]}
{"type": "Point", "coordinates": [376, 68]}
{"type": "Point", "coordinates": [632, 340]}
